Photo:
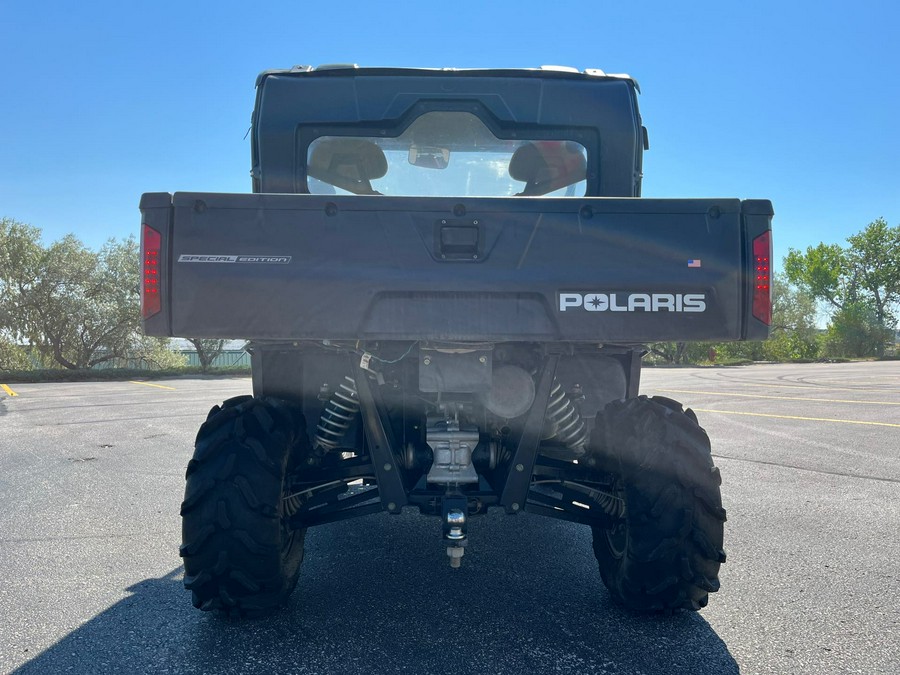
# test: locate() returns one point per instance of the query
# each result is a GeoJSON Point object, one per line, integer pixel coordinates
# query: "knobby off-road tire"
{"type": "Point", "coordinates": [667, 552]}
{"type": "Point", "coordinates": [239, 555]}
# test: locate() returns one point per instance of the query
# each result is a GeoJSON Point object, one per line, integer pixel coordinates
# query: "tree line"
{"type": "Point", "coordinates": [63, 305]}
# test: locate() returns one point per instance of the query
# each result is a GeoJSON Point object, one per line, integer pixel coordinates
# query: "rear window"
{"type": "Point", "coordinates": [446, 153]}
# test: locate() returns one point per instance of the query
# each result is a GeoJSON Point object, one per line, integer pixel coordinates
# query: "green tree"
{"type": "Point", "coordinates": [669, 352]}
{"type": "Point", "coordinates": [20, 249]}
{"type": "Point", "coordinates": [679, 352]}
{"type": "Point", "coordinates": [74, 305]}
{"type": "Point", "coordinates": [13, 356]}
{"type": "Point", "coordinates": [157, 353]}
{"type": "Point", "coordinates": [823, 272]}
{"type": "Point", "coordinates": [207, 351]}
{"type": "Point", "coordinates": [874, 257]}
{"type": "Point", "coordinates": [868, 270]}
{"type": "Point", "coordinates": [731, 351]}
{"type": "Point", "coordinates": [794, 333]}
{"type": "Point", "coordinates": [859, 282]}
{"type": "Point", "coordinates": [793, 309]}
{"type": "Point", "coordinates": [856, 330]}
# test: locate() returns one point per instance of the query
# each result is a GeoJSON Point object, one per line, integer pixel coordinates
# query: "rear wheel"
{"type": "Point", "coordinates": [666, 551]}
{"type": "Point", "coordinates": [239, 554]}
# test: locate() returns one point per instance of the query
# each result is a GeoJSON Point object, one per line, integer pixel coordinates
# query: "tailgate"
{"type": "Point", "coordinates": [273, 266]}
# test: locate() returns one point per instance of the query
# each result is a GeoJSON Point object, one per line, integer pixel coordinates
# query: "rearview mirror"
{"type": "Point", "coordinates": [428, 157]}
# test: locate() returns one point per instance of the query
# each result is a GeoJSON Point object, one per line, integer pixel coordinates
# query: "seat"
{"type": "Point", "coordinates": [545, 166]}
{"type": "Point", "coordinates": [347, 163]}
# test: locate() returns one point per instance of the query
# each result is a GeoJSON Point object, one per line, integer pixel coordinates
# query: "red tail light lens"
{"type": "Point", "coordinates": [762, 283]}
{"type": "Point", "coordinates": [151, 241]}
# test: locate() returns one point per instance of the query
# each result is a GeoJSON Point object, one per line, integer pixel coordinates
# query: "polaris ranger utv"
{"type": "Point", "coordinates": [447, 281]}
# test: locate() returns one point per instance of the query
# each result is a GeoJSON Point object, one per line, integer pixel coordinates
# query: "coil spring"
{"type": "Point", "coordinates": [612, 501]}
{"type": "Point", "coordinates": [337, 416]}
{"type": "Point", "coordinates": [565, 421]}
{"type": "Point", "coordinates": [611, 504]}
{"type": "Point", "coordinates": [292, 504]}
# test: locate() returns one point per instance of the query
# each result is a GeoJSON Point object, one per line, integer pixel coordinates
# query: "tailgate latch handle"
{"type": "Point", "coordinates": [458, 240]}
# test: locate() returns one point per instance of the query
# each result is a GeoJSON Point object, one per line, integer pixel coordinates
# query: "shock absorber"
{"type": "Point", "coordinates": [337, 416]}
{"type": "Point", "coordinates": [564, 422]}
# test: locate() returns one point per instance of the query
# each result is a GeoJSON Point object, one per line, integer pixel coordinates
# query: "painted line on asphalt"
{"type": "Point", "coordinates": [795, 417]}
{"type": "Point", "coordinates": [779, 385]}
{"type": "Point", "coordinates": [150, 384]}
{"type": "Point", "coordinates": [779, 398]}
{"type": "Point", "coordinates": [8, 390]}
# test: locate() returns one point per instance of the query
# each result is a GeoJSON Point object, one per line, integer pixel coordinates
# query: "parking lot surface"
{"type": "Point", "coordinates": [91, 478]}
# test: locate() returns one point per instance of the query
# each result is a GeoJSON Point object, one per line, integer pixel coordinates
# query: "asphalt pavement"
{"type": "Point", "coordinates": [92, 475]}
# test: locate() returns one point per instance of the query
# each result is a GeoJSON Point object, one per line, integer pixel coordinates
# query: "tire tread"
{"type": "Point", "coordinates": [236, 558]}
{"type": "Point", "coordinates": [674, 514]}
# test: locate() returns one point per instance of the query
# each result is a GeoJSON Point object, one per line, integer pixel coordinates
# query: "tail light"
{"type": "Point", "coordinates": [762, 284]}
{"type": "Point", "coordinates": [151, 242]}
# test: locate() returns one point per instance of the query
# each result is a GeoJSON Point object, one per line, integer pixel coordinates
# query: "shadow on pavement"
{"type": "Point", "coordinates": [377, 596]}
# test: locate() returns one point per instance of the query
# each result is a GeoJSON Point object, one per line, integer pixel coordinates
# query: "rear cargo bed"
{"type": "Point", "coordinates": [273, 266]}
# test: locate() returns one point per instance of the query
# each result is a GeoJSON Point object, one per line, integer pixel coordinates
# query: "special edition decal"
{"type": "Point", "coordinates": [258, 259]}
{"type": "Point", "coordinates": [632, 302]}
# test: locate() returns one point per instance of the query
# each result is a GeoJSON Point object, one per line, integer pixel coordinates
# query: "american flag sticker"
{"type": "Point", "coordinates": [694, 263]}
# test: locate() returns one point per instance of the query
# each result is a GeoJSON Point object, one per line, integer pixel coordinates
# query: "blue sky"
{"type": "Point", "coordinates": [795, 102]}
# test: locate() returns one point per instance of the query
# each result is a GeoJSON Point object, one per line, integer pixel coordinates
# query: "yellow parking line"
{"type": "Point", "coordinates": [779, 398]}
{"type": "Point", "coordinates": [8, 390]}
{"type": "Point", "coordinates": [793, 417]}
{"type": "Point", "coordinates": [150, 384]}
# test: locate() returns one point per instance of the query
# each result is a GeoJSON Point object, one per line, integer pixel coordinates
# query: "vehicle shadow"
{"type": "Point", "coordinates": [377, 595]}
